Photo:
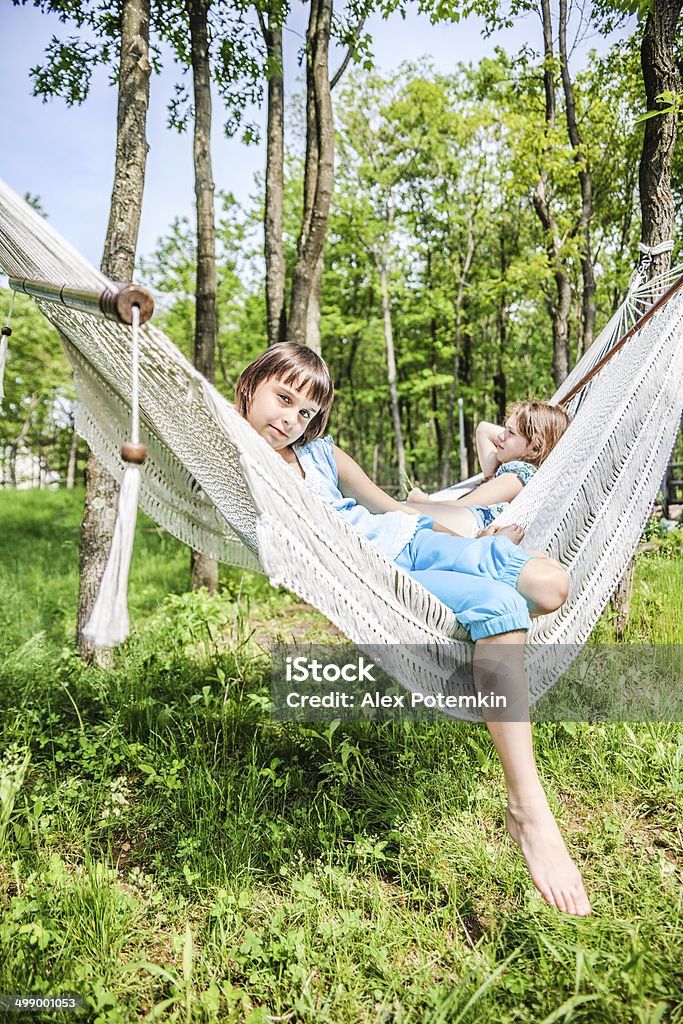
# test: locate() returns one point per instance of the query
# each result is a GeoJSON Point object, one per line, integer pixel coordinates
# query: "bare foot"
{"type": "Point", "coordinates": [417, 495]}
{"type": "Point", "coordinates": [552, 870]}
{"type": "Point", "coordinates": [513, 532]}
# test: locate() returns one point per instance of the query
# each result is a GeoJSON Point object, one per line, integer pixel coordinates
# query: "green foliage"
{"type": "Point", "coordinates": [37, 408]}
{"type": "Point", "coordinates": [436, 174]}
{"type": "Point", "coordinates": [170, 853]}
{"type": "Point", "coordinates": [669, 103]}
{"type": "Point", "coordinates": [170, 271]}
{"type": "Point", "coordinates": [434, 179]}
{"type": "Point", "coordinates": [68, 64]}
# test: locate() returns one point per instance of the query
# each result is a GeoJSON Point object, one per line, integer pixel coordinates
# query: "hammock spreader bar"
{"type": "Point", "coordinates": [114, 303]}
{"type": "Point", "coordinates": [131, 305]}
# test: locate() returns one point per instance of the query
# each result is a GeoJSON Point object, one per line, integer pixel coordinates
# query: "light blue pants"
{"type": "Point", "coordinates": [477, 578]}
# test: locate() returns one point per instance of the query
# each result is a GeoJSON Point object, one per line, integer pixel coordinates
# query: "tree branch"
{"type": "Point", "coordinates": [351, 49]}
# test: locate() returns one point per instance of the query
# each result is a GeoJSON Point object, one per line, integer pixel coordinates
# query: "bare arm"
{"type": "Point", "coordinates": [502, 488]}
{"type": "Point", "coordinates": [486, 447]}
{"type": "Point", "coordinates": [355, 483]}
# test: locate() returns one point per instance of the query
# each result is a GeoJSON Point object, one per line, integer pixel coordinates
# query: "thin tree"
{"type": "Point", "coordinates": [583, 226]}
{"type": "Point", "coordinates": [661, 78]}
{"type": "Point", "coordinates": [302, 322]}
{"type": "Point", "coordinates": [118, 263]}
{"type": "Point", "coordinates": [204, 569]}
{"type": "Point", "coordinates": [271, 22]}
{"type": "Point", "coordinates": [559, 308]}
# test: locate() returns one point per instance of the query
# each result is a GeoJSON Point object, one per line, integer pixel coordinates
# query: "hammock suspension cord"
{"type": "Point", "coordinates": [6, 333]}
{"type": "Point", "coordinates": [661, 301]}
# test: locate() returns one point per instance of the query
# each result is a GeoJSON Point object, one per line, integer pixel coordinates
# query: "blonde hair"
{"type": "Point", "coordinates": [541, 425]}
{"type": "Point", "coordinates": [297, 366]}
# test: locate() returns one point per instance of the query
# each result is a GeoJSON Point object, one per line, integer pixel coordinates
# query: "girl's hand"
{"type": "Point", "coordinates": [513, 532]}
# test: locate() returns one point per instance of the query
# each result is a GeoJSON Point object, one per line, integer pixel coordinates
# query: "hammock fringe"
{"type": "Point", "coordinates": [109, 624]}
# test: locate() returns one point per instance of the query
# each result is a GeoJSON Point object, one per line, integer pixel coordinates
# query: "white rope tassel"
{"type": "Point", "coordinates": [109, 624]}
{"type": "Point", "coordinates": [6, 331]}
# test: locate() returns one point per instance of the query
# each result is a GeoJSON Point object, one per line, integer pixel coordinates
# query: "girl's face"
{"type": "Point", "coordinates": [280, 413]}
{"type": "Point", "coordinates": [509, 444]}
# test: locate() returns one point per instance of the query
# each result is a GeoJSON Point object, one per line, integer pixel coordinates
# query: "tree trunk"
{"type": "Point", "coordinates": [391, 364]}
{"type": "Point", "coordinates": [466, 375]}
{"type": "Point", "coordinates": [660, 74]}
{"type": "Point", "coordinates": [499, 378]}
{"type": "Point", "coordinates": [204, 569]}
{"type": "Point", "coordinates": [313, 313]}
{"type": "Point", "coordinates": [71, 464]}
{"type": "Point", "coordinates": [586, 185]}
{"type": "Point", "coordinates": [118, 263]}
{"type": "Point", "coordinates": [433, 393]}
{"type": "Point", "coordinates": [559, 310]}
{"type": "Point", "coordinates": [275, 152]}
{"type": "Point", "coordinates": [460, 306]}
{"type": "Point", "coordinates": [319, 169]}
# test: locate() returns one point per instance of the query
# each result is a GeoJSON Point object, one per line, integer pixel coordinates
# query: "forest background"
{"type": "Point", "coordinates": [436, 251]}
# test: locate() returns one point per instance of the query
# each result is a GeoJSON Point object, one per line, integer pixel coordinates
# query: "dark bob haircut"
{"type": "Point", "coordinates": [300, 368]}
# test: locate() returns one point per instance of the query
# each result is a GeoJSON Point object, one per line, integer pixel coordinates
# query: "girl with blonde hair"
{"type": "Point", "coordinates": [509, 457]}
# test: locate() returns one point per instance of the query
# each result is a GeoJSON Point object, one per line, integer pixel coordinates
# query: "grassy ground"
{"type": "Point", "coordinates": [170, 853]}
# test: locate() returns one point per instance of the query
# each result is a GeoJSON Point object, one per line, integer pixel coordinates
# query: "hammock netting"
{"type": "Point", "coordinates": [211, 481]}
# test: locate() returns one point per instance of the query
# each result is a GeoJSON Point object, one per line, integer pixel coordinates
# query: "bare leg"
{"type": "Point", "coordinates": [544, 584]}
{"type": "Point", "coordinates": [529, 819]}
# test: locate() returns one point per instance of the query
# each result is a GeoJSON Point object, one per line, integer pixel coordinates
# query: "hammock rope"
{"type": "Point", "coordinates": [587, 377]}
{"type": "Point", "coordinates": [4, 340]}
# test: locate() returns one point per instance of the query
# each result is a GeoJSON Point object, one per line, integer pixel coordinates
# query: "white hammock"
{"type": "Point", "coordinates": [217, 486]}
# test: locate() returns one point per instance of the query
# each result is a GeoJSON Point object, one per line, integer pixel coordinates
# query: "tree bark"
{"type": "Point", "coordinates": [433, 393]}
{"type": "Point", "coordinates": [466, 375]}
{"type": "Point", "coordinates": [499, 378]}
{"type": "Point", "coordinates": [460, 305]}
{"type": "Point", "coordinates": [313, 312]}
{"type": "Point", "coordinates": [275, 153]}
{"type": "Point", "coordinates": [319, 168]}
{"type": "Point", "coordinates": [204, 569]}
{"type": "Point", "coordinates": [588, 305]}
{"type": "Point", "coordinates": [391, 371]}
{"type": "Point", "coordinates": [559, 309]}
{"type": "Point", "coordinates": [71, 464]}
{"type": "Point", "coordinates": [118, 263]}
{"type": "Point", "coordinates": [660, 74]}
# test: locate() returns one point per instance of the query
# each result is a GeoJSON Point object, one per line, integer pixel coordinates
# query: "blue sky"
{"type": "Point", "coordinates": [66, 155]}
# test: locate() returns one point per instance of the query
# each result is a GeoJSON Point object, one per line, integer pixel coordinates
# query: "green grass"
{"type": "Point", "coordinates": [171, 853]}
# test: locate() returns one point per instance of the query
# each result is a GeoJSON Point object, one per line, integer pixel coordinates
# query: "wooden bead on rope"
{"type": "Point", "coordinates": [6, 331]}
{"type": "Point", "coordinates": [134, 451]}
